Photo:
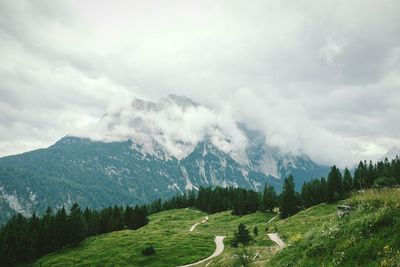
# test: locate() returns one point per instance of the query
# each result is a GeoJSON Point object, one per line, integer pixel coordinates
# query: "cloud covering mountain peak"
{"type": "Point", "coordinates": [174, 125]}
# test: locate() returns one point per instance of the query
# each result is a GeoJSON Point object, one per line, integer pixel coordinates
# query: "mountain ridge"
{"type": "Point", "coordinates": [99, 174]}
{"type": "Point", "coordinates": [145, 151]}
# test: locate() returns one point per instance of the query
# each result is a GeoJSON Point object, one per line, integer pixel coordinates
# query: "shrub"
{"type": "Point", "coordinates": [148, 251]}
{"type": "Point", "coordinates": [241, 236]}
{"type": "Point", "coordinates": [385, 181]}
{"type": "Point", "coordinates": [255, 231]}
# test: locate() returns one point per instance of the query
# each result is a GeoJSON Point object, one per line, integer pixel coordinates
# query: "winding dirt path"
{"type": "Point", "coordinates": [194, 225]}
{"type": "Point", "coordinates": [275, 237]}
{"type": "Point", "coordinates": [219, 243]}
{"type": "Point", "coordinates": [273, 218]}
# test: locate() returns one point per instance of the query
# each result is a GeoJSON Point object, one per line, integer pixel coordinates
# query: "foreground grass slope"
{"type": "Point", "coordinates": [168, 232]}
{"type": "Point", "coordinates": [294, 228]}
{"type": "Point", "coordinates": [368, 236]}
{"type": "Point", "coordinates": [225, 223]}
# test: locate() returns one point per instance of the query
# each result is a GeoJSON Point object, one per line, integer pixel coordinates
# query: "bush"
{"type": "Point", "coordinates": [241, 236]}
{"type": "Point", "coordinates": [148, 251]}
{"type": "Point", "coordinates": [385, 181]}
{"type": "Point", "coordinates": [255, 231]}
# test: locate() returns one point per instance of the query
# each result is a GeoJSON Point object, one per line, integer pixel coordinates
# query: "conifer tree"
{"type": "Point", "coordinates": [289, 200]}
{"type": "Point", "coordinates": [347, 181]}
{"type": "Point", "coordinates": [360, 174]}
{"type": "Point", "coordinates": [60, 224]}
{"type": "Point", "coordinates": [322, 190]}
{"type": "Point", "coordinates": [241, 236]}
{"type": "Point", "coordinates": [370, 174]}
{"type": "Point", "coordinates": [269, 198]}
{"type": "Point", "coordinates": [76, 225]}
{"type": "Point", "coordinates": [46, 233]}
{"type": "Point", "coordinates": [251, 203]}
{"type": "Point", "coordinates": [334, 185]}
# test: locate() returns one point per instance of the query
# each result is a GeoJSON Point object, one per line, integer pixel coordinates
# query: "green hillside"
{"type": "Point", "coordinates": [368, 236]}
{"type": "Point", "coordinates": [317, 236]}
{"type": "Point", "coordinates": [168, 232]}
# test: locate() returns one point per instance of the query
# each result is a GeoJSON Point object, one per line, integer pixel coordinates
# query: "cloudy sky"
{"type": "Point", "coordinates": [316, 77]}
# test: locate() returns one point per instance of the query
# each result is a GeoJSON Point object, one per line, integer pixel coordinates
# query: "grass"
{"type": "Point", "coordinates": [226, 224]}
{"type": "Point", "coordinates": [315, 237]}
{"type": "Point", "coordinates": [295, 227]}
{"type": "Point", "coordinates": [375, 198]}
{"type": "Point", "coordinates": [168, 232]}
{"type": "Point", "coordinates": [368, 236]}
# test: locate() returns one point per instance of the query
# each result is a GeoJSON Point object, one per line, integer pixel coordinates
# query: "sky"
{"type": "Point", "coordinates": [315, 77]}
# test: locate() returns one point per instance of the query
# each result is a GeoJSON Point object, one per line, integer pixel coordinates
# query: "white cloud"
{"type": "Point", "coordinates": [332, 49]}
{"type": "Point", "coordinates": [319, 78]}
{"type": "Point", "coordinates": [174, 123]}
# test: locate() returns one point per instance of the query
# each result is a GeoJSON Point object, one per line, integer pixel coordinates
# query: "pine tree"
{"type": "Point", "coordinates": [76, 225]}
{"type": "Point", "coordinates": [251, 203]}
{"type": "Point", "coordinates": [239, 202]}
{"type": "Point", "coordinates": [191, 198]}
{"type": "Point", "coordinates": [269, 198]}
{"type": "Point", "coordinates": [322, 190]}
{"type": "Point", "coordinates": [360, 174]}
{"type": "Point", "coordinates": [334, 185]}
{"type": "Point", "coordinates": [34, 228]}
{"type": "Point", "coordinates": [289, 200]}
{"type": "Point", "coordinates": [242, 236]}
{"type": "Point", "coordinates": [370, 174]}
{"type": "Point", "coordinates": [60, 224]}
{"type": "Point", "coordinates": [347, 181]}
{"type": "Point", "coordinates": [396, 169]}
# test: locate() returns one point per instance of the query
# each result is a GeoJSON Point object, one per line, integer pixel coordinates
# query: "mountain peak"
{"type": "Point", "coordinates": [68, 140]}
{"type": "Point", "coordinates": [392, 153]}
{"type": "Point", "coordinates": [181, 101]}
{"type": "Point", "coordinates": [141, 104]}
{"type": "Point", "coordinates": [165, 102]}
{"type": "Point", "coordinates": [173, 126]}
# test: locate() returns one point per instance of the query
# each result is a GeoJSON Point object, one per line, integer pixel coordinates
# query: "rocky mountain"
{"type": "Point", "coordinates": [141, 157]}
{"type": "Point", "coordinates": [392, 153]}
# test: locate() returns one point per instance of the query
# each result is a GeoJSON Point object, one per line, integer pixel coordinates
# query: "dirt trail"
{"type": "Point", "coordinates": [275, 237]}
{"type": "Point", "coordinates": [219, 243]}
{"type": "Point", "coordinates": [194, 225]}
{"type": "Point", "coordinates": [273, 218]}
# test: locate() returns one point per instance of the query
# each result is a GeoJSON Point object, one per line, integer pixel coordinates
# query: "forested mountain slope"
{"type": "Point", "coordinates": [100, 174]}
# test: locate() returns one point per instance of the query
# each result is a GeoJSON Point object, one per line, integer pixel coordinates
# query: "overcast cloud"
{"type": "Point", "coordinates": [316, 77]}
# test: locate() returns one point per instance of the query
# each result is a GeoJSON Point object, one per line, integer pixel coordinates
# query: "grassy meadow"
{"type": "Point", "coordinates": [368, 236]}
{"type": "Point", "coordinates": [168, 232]}
{"type": "Point", "coordinates": [225, 223]}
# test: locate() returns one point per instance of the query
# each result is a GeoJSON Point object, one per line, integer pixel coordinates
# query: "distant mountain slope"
{"type": "Point", "coordinates": [99, 174]}
{"type": "Point", "coordinates": [392, 153]}
{"type": "Point", "coordinates": [144, 161]}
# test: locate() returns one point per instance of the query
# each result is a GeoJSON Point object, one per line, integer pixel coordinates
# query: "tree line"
{"type": "Point", "coordinates": [24, 239]}
{"type": "Point", "coordinates": [338, 185]}
{"type": "Point", "coordinates": [211, 200]}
